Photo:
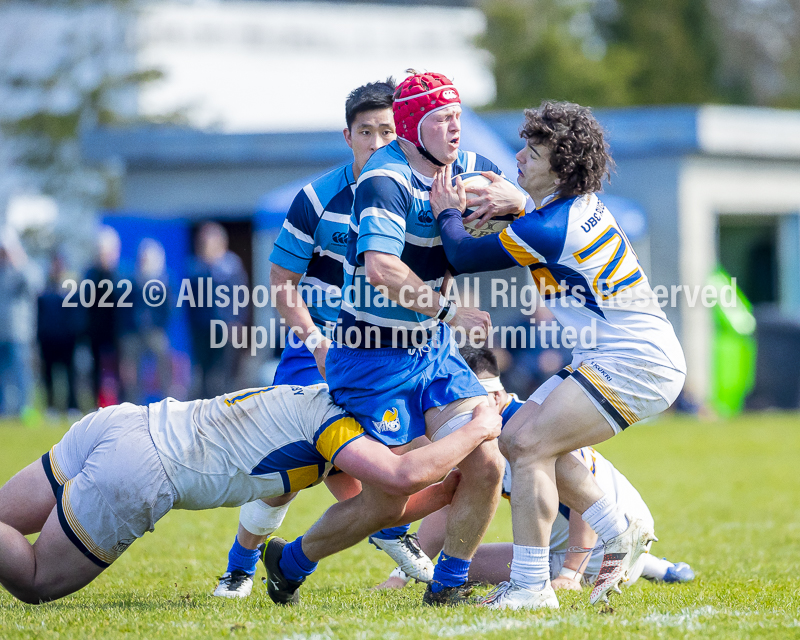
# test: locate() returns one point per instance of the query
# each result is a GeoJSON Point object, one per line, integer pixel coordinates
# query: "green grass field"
{"type": "Point", "coordinates": [724, 496]}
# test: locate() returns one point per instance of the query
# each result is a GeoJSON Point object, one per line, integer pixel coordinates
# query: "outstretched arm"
{"type": "Point", "coordinates": [465, 253]}
{"type": "Point", "coordinates": [374, 463]}
{"type": "Point", "coordinates": [468, 254]}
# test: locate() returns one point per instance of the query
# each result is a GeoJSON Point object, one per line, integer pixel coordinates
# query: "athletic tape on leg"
{"type": "Point", "coordinates": [453, 424]}
{"type": "Point", "coordinates": [260, 519]}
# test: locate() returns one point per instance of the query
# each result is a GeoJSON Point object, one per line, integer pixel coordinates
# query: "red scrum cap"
{"type": "Point", "coordinates": [417, 97]}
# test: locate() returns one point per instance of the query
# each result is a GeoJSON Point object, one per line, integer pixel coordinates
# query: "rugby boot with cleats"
{"type": "Point", "coordinates": [409, 556]}
{"type": "Point", "coordinates": [234, 584]}
{"type": "Point", "coordinates": [679, 572]}
{"type": "Point", "coordinates": [450, 596]}
{"type": "Point", "coordinates": [620, 554]}
{"type": "Point", "coordinates": [509, 595]}
{"type": "Point", "coordinates": [280, 589]}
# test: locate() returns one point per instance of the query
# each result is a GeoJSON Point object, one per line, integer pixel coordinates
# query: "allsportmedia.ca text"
{"type": "Point", "coordinates": [503, 293]}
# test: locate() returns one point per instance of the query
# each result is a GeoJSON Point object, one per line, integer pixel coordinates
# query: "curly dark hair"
{"type": "Point", "coordinates": [579, 155]}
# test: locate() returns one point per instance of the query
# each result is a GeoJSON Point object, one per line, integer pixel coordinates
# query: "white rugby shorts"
{"type": "Point", "coordinates": [109, 483]}
{"type": "Point", "coordinates": [625, 390]}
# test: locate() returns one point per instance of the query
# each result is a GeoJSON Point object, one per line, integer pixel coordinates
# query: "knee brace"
{"type": "Point", "coordinates": [453, 424]}
{"type": "Point", "coordinates": [260, 519]}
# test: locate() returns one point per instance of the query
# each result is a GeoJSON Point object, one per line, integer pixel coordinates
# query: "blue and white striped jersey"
{"type": "Point", "coordinates": [392, 214]}
{"type": "Point", "coordinates": [313, 241]}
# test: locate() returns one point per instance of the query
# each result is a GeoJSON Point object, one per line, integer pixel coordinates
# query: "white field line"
{"type": "Point", "coordinates": [691, 619]}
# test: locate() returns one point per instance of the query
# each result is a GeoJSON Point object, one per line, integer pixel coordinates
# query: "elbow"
{"type": "Point", "coordinates": [277, 277]}
{"type": "Point", "coordinates": [403, 483]}
{"type": "Point", "coordinates": [376, 272]}
{"type": "Point", "coordinates": [460, 264]}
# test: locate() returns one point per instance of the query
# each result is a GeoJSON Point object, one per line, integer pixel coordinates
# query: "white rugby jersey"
{"type": "Point", "coordinates": [256, 443]}
{"type": "Point", "coordinates": [590, 278]}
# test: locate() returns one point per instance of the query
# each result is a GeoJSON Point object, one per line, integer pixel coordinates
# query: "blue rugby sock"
{"type": "Point", "coordinates": [294, 564]}
{"type": "Point", "coordinates": [449, 572]}
{"type": "Point", "coordinates": [243, 559]}
{"type": "Point", "coordinates": [393, 532]}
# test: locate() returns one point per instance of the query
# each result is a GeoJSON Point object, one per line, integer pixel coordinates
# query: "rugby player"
{"type": "Point", "coordinates": [307, 276]}
{"type": "Point", "coordinates": [575, 556]}
{"type": "Point", "coordinates": [118, 470]}
{"type": "Point", "coordinates": [394, 366]}
{"type": "Point", "coordinates": [632, 368]}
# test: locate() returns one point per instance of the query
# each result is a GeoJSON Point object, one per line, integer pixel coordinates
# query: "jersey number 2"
{"type": "Point", "coordinates": [604, 283]}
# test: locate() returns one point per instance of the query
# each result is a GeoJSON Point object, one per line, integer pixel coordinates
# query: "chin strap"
{"type": "Point", "coordinates": [429, 157]}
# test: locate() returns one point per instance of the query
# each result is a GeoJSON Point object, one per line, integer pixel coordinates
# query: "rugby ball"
{"type": "Point", "coordinates": [496, 224]}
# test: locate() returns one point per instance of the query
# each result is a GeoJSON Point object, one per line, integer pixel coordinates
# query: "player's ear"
{"type": "Point", "coordinates": [347, 137]}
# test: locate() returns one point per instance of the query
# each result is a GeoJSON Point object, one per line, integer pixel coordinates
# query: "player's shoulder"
{"type": "Point", "coordinates": [319, 193]}
{"type": "Point", "coordinates": [337, 177]}
{"type": "Point", "coordinates": [317, 397]}
{"type": "Point", "coordinates": [468, 161]}
{"type": "Point", "coordinates": [388, 162]}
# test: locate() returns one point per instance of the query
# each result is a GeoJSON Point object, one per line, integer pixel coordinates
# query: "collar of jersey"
{"type": "Point", "coordinates": [548, 200]}
{"type": "Point", "coordinates": [428, 182]}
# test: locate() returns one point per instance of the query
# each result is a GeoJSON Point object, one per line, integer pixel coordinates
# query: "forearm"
{"type": "Point", "coordinates": [468, 254]}
{"type": "Point", "coordinates": [399, 283]}
{"type": "Point", "coordinates": [290, 303]}
{"type": "Point", "coordinates": [424, 466]}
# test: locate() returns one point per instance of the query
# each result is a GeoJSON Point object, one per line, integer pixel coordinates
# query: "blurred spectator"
{"type": "Point", "coordinates": [146, 358]}
{"type": "Point", "coordinates": [215, 368]}
{"type": "Point", "coordinates": [57, 331]}
{"type": "Point", "coordinates": [101, 321]}
{"type": "Point", "coordinates": [16, 323]}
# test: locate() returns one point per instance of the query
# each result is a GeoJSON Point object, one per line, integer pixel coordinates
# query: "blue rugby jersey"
{"type": "Point", "coordinates": [313, 241]}
{"type": "Point", "coordinates": [392, 214]}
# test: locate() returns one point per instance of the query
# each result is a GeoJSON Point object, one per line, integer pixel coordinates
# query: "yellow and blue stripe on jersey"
{"type": "Point", "coordinates": [248, 394]}
{"type": "Point", "coordinates": [537, 241]}
{"type": "Point", "coordinates": [303, 463]}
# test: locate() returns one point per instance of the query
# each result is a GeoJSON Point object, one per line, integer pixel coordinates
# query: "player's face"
{"type": "Point", "coordinates": [441, 133]}
{"type": "Point", "coordinates": [371, 130]}
{"type": "Point", "coordinates": [533, 171]}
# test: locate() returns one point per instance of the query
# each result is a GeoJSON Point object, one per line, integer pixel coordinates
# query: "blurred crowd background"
{"type": "Point", "coordinates": [165, 140]}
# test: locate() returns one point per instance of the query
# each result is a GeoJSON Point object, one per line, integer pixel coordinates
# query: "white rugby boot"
{"type": "Point", "coordinates": [234, 584]}
{"type": "Point", "coordinates": [409, 556]}
{"type": "Point", "coordinates": [620, 554]}
{"type": "Point", "coordinates": [509, 595]}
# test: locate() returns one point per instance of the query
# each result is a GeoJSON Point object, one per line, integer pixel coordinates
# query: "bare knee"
{"type": "Point", "coordinates": [385, 509]}
{"type": "Point", "coordinates": [484, 466]}
{"type": "Point", "coordinates": [526, 444]}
